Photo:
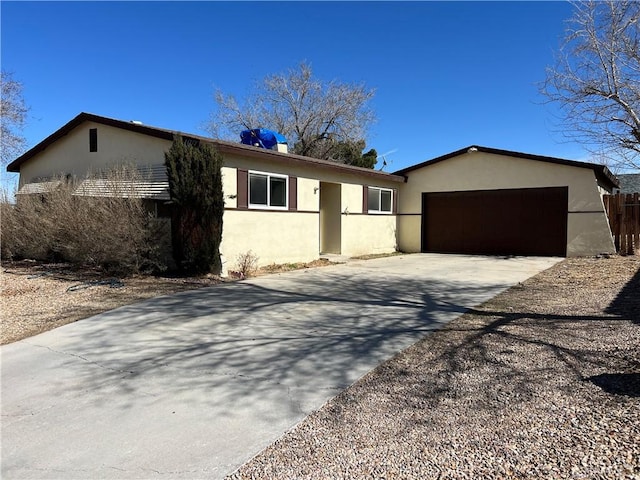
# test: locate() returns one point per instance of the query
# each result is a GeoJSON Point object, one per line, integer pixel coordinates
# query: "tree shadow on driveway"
{"type": "Point", "coordinates": [505, 353]}
{"type": "Point", "coordinates": [240, 340]}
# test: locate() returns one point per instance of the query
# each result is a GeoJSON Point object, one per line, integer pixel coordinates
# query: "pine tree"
{"type": "Point", "coordinates": [195, 187]}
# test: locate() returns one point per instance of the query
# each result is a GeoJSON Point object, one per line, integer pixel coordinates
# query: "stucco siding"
{"type": "Point", "coordinates": [588, 234]}
{"type": "Point", "coordinates": [351, 198]}
{"type": "Point", "coordinates": [229, 187]}
{"type": "Point", "coordinates": [366, 234]}
{"type": "Point", "coordinates": [409, 233]}
{"type": "Point", "coordinates": [308, 194]}
{"type": "Point", "coordinates": [70, 154]}
{"type": "Point", "coordinates": [274, 237]}
{"type": "Point", "coordinates": [339, 221]}
{"type": "Point", "coordinates": [587, 224]}
{"type": "Point", "coordinates": [307, 171]}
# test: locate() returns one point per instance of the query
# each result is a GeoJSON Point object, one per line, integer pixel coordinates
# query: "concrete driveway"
{"type": "Point", "coordinates": [193, 385]}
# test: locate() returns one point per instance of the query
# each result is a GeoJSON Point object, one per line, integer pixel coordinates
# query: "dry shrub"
{"type": "Point", "coordinates": [247, 264]}
{"type": "Point", "coordinates": [100, 221]}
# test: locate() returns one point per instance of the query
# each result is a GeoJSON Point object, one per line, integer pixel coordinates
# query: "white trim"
{"type": "Point", "coordinates": [380, 212]}
{"type": "Point", "coordinates": [269, 175]}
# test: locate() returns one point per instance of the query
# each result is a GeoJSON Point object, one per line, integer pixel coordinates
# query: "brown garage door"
{"type": "Point", "coordinates": [530, 221]}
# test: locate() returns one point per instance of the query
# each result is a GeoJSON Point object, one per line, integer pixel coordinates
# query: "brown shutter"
{"type": "Point", "coordinates": [243, 189]}
{"type": "Point", "coordinates": [395, 201]}
{"type": "Point", "coordinates": [293, 193]}
{"type": "Point", "coordinates": [365, 199]}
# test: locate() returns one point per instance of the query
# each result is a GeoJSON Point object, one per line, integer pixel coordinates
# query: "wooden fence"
{"type": "Point", "coordinates": [623, 210]}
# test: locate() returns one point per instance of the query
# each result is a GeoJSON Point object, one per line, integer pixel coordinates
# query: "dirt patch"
{"type": "Point", "coordinates": [371, 256]}
{"type": "Point", "coordinates": [287, 267]}
{"type": "Point", "coordinates": [36, 297]}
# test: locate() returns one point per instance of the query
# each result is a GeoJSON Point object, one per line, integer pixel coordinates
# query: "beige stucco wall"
{"type": "Point", "coordinates": [351, 198]}
{"type": "Point", "coordinates": [309, 178]}
{"type": "Point", "coordinates": [229, 187]}
{"type": "Point", "coordinates": [355, 234]}
{"type": "Point", "coordinates": [70, 154]}
{"type": "Point", "coordinates": [588, 228]}
{"type": "Point", "coordinates": [308, 197]}
{"type": "Point", "coordinates": [286, 237]}
{"type": "Point", "coordinates": [366, 234]}
{"type": "Point", "coordinates": [274, 236]}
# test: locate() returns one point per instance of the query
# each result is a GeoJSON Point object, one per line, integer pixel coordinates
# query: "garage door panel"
{"type": "Point", "coordinates": [496, 222]}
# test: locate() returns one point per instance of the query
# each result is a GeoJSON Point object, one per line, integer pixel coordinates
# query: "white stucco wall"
{"type": "Point", "coordinates": [588, 228]}
{"type": "Point", "coordinates": [229, 187]}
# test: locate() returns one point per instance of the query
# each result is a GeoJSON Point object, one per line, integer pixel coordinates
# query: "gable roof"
{"type": "Point", "coordinates": [603, 174]}
{"type": "Point", "coordinates": [221, 145]}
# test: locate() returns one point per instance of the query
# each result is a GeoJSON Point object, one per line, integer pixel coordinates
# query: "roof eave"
{"type": "Point", "coordinates": [73, 123]}
{"type": "Point", "coordinates": [292, 159]}
{"type": "Point", "coordinates": [602, 173]}
{"type": "Point", "coordinates": [223, 146]}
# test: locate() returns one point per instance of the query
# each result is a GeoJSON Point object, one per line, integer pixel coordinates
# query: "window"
{"type": "Point", "coordinates": [267, 190]}
{"type": "Point", "coordinates": [93, 139]}
{"type": "Point", "coordinates": [379, 200]}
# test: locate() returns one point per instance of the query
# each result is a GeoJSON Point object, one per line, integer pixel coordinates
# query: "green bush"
{"type": "Point", "coordinates": [195, 187]}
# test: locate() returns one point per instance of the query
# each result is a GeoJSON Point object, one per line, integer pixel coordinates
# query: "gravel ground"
{"type": "Point", "coordinates": [36, 297]}
{"type": "Point", "coordinates": [543, 381]}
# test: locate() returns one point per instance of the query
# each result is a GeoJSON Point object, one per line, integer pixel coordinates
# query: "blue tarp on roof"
{"type": "Point", "coordinates": [262, 137]}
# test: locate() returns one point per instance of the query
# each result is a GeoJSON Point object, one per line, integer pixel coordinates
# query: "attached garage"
{"type": "Point", "coordinates": [525, 221]}
{"type": "Point", "coordinates": [481, 200]}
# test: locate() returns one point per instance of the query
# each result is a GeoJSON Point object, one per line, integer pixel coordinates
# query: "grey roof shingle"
{"type": "Point", "coordinates": [629, 182]}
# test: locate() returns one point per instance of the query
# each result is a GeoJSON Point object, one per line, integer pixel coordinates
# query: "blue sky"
{"type": "Point", "coordinates": [446, 74]}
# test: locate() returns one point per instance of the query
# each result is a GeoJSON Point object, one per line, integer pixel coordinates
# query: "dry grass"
{"type": "Point", "coordinates": [371, 256]}
{"type": "Point", "coordinates": [287, 267]}
{"type": "Point", "coordinates": [100, 220]}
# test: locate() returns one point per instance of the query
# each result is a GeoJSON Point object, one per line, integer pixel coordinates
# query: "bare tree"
{"type": "Point", "coordinates": [314, 116]}
{"type": "Point", "coordinates": [596, 79]}
{"type": "Point", "coordinates": [13, 113]}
